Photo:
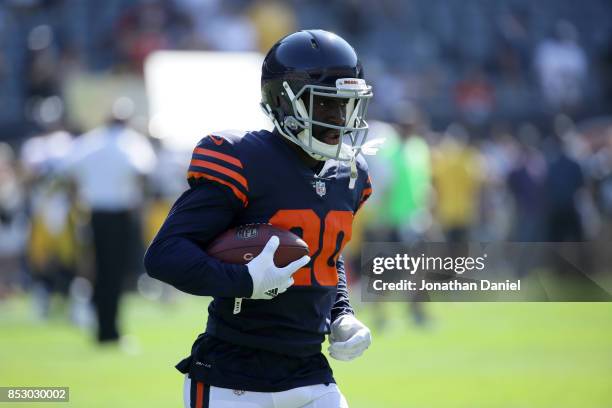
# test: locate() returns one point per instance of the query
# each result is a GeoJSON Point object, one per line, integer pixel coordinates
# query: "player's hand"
{"type": "Point", "coordinates": [268, 279]}
{"type": "Point", "coordinates": [349, 338]}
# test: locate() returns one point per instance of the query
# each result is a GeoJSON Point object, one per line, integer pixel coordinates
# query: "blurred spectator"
{"type": "Point", "coordinates": [108, 166]}
{"type": "Point", "coordinates": [264, 11]}
{"type": "Point", "coordinates": [513, 53]}
{"type": "Point", "coordinates": [605, 73]}
{"type": "Point", "coordinates": [52, 249]}
{"type": "Point", "coordinates": [498, 156]}
{"type": "Point", "coordinates": [527, 184]}
{"type": "Point", "coordinates": [562, 67]}
{"type": "Point", "coordinates": [13, 222]}
{"type": "Point", "coordinates": [407, 195]}
{"type": "Point", "coordinates": [457, 174]}
{"type": "Point", "coordinates": [374, 223]}
{"type": "Point", "coordinates": [564, 183]}
{"type": "Point", "coordinates": [199, 13]}
{"type": "Point", "coordinates": [408, 198]}
{"type": "Point", "coordinates": [149, 26]}
{"type": "Point", "coordinates": [165, 183]}
{"type": "Point", "coordinates": [474, 97]}
{"type": "Point", "coordinates": [229, 30]}
{"type": "Point", "coordinates": [599, 166]}
{"type": "Point", "coordinates": [43, 73]}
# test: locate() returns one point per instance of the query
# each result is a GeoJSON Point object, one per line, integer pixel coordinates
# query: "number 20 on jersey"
{"type": "Point", "coordinates": [325, 238]}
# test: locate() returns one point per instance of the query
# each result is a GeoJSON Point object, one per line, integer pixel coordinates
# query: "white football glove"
{"type": "Point", "coordinates": [349, 338]}
{"type": "Point", "coordinates": [268, 279]}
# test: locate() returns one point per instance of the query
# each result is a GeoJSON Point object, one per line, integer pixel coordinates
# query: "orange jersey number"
{"type": "Point", "coordinates": [325, 239]}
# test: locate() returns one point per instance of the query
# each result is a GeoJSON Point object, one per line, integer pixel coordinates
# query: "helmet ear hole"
{"type": "Point", "coordinates": [291, 123]}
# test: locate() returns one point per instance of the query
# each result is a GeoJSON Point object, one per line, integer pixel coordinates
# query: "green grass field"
{"type": "Point", "coordinates": [472, 355]}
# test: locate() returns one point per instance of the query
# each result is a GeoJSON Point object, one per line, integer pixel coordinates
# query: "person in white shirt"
{"type": "Point", "coordinates": [562, 67]}
{"type": "Point", "coordinates": [109, 166]}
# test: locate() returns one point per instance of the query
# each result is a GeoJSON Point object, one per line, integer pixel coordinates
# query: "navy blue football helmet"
{"type": "Point", "coordinates": [316, 64]}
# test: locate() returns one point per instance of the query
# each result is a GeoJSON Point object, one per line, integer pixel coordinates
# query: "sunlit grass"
{"type": "Point", "coordinates": [469, 355]}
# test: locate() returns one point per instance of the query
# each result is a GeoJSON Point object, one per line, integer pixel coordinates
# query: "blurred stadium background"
{"type": "Point", "coordinates": [498, 127]}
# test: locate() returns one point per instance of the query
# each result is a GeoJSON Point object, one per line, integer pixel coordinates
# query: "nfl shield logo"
{"type": "Point", "coordinates": [320, 188]}
{"type": "Point", "coordinates": [246, 232]}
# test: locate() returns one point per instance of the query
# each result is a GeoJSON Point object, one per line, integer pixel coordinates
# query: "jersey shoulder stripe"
{"type": "Point", "coordinates": [215, 159]}
{"type": "Point", "coordinates": [205, 166]}
{"type": "Point", "coordinates": [221, 156]}
{"type": "Point", "coordinates": [195, 177]}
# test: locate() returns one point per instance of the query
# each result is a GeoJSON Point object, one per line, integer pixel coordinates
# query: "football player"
{"type": "Point", "coordinates": [266, 325]}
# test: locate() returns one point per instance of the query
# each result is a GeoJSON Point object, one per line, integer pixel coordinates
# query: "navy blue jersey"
{"type": "Point", "coordinates": [258, 177]}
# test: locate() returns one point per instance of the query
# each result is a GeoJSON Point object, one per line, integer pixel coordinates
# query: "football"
{"type": "Point", "coordinates": [241, 244]}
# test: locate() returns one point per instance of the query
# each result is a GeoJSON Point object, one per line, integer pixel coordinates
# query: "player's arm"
{"type": "Point", "coordinates": [349, 338]}
{"type": "Point", "coordinates": [219, 190]}
{"type": "Point", "coordinates": [342, 304]}
{"type": "Point", "coordinates": [176, 255]}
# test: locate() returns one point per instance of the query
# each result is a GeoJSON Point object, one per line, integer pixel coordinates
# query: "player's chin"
{"type": "Point", "coordinates": [330, 137]}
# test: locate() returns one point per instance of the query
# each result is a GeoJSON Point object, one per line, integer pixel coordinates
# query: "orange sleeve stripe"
{"type": "Point", "coordinates": [229, 173]}
{"type": "Point", "coordinates": [364, 198]}
{"type": "Point", "coordinates": [239, 194]}
{"type": "Point", "coordinates": [221, 156]}
{"type": "Point", "coordinates": [366, 192]}
{"type": "Point", "coordinates": [200, 395]}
